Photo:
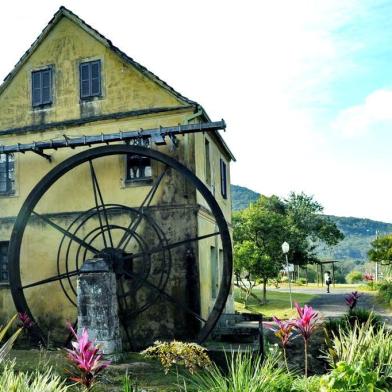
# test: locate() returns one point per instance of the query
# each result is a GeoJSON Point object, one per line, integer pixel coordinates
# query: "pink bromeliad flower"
{"type": "Point", "coordinates": [85, 358]}
{"type": "Point", "coordinates": [352, 299]}
{"type": "Point", "coordinates": [368, 277]}
{"type": "Point", "coordinates": [305, 324]}
{"type": "Point", "coordinates": [284, 330]}
{"type": "Point", "coordinates": [25, 321]}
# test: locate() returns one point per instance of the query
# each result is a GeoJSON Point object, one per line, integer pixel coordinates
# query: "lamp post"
{"type": "Point", "coordinates": [285, 250]}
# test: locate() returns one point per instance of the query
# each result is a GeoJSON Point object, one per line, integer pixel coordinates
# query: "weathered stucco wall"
{"type": "Point", "coordinates": [124, 89]}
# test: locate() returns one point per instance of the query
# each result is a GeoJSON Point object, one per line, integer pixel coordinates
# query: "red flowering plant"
{"type": "Point", "coordinates": [368, 277]}
{"type": "Point", "coordinates": [24, 321]}
{"type": "Point", "coordinates": [305, 325]}
{"type": "Point", "coordinates": [284, 330]}
{"type": "Point", "coordinates": [352, 300]}
{"type": "Point", "coordinates": [86, 360]}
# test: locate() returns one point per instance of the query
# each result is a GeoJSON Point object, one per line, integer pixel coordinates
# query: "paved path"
{"type": "Point", "coordinates": [334, 304]}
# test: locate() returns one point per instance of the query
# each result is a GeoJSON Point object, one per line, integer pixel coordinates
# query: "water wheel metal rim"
{"type": "Point", "coordinates": [62, 168]}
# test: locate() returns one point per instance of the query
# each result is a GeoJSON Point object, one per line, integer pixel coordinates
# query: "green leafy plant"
{"type": "Point", "coordinates": [361, 316]}
{"type": "Point", "coordinates": [385, 292]}
{"type": "Point", "coordinates": [13, 381]}
{"type": "Point", "coordinates": [128, 385]}
{"type": "Point", "coordinates": [7, 346]}
{"type": "Point", "coordinates": [191, 355]}
{"type": "Point", "coordinates": [352, 377]}
{"type": "Point", "coordinates": [246, 373]}
{"type": "Point", "coordinates": [364, 349]}
{"type": "Point", "coordinates": [308, 384]}
{"type": "Point", "coordinates": [354, 277]}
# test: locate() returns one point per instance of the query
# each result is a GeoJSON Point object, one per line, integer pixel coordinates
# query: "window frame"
{"type": "Point", "coordinates": [42, 104]}
{"type": "Point", "coordinates": [4, 282]}
{"type": "Point", "coordinates": [223, 178]}
{"type": "Point", "coordinates": [207, 162]}
{"type": "Point", "coordinates": [9, 180]}
{"type": "Point", "coordinates": [130, 180]}
{"type": "Point", "coordinates": [91, 95]}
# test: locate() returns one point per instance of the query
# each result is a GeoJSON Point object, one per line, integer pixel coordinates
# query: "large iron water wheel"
{"type": "Point", "coordinates": [49, 244]}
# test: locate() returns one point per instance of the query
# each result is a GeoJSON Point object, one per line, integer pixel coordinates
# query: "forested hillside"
{"type": "Point", "coordinates": [358, 232]}
{"type": "Point", "coordinates": [242, 197]}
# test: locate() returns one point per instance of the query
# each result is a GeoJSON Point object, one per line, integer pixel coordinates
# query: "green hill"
{"type": "Point", "coordinates": [241, 197]}
{"type": "Point", "coordinates": [358, 232]}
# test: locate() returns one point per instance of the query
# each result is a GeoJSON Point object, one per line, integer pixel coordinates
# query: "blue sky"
{"type": "Point", "coordinates": [305, 86]}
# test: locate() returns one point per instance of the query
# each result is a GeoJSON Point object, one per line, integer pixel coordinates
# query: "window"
{"type": "Point", "coordinates": [41, 82]}
{"type": "Point", "coordinates": [90, 79]}
{"type": "Point", "coordinates": [214, 272]}
{"type": "Point", "coordinates": [207, 161]}
{"type": "Point", "coordinates": [3, 262]}
{"type": "Point", "coordinates": [7, 174]}
{"type": "Point", "coordinates": [223, 177]}
{"type": "Point", "coordinates": [138, 168]}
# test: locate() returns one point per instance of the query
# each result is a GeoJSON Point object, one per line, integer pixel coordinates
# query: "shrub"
{"type": "Point", "coordinates": [354, 277]}
{"type": "Point", "coordinates": [246, 373]}
{"type": "Point", "coordinates": [356, 316]}
{"type": "Point", "coordinates": [362, 349]}
{"type": "Point", "coordinates": [191, 355]}
{"type": "Point", "coordinates": [12, 381]}
{"type": "Point", "coordinates": [301, 281]}
{"type": "Point", "coordinates": [309, 384]}
{"type": "Point", "coordinates": [385, 292]}
{"type": "Point", "coordinates": [352, 377]}
{"type": "Point", "coordinates": [361, 316]}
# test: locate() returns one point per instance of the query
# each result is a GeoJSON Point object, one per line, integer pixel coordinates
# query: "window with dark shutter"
{"type": "Point", "coordinates": [90, 79]}
{"type": "Point", "coordinates": [7, 174]}
{"type": "Point", "coordinates": [138, 168]}
{"type": "Point", "coordinates": [41, 82]}
{"type": "Point", "coordinates": [223, 176]}
{"type": "Point", "coordinates": [3, 262]}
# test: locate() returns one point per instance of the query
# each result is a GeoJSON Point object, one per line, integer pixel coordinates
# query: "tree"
{"type": "Point", "coordinates": [306, 227]}
{"type": "Point", "coordinates": [258, 235]}
{"type": "Point", "coordinates": [260, 230]}
{"type": "Point", "coordinates": [381, 250]}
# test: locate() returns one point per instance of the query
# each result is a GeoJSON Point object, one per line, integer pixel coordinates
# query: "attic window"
{"type": "Point", "coordinates": [41, 82]}
{"type": "Point", "coordinates": [90, 79]}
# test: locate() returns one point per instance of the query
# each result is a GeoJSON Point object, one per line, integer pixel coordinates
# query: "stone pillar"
{"type": "Point", "coordinates": [98, 306]}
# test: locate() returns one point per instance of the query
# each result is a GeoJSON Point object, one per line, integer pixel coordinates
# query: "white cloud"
{"type": "Point", "coordinates": [374, 112]}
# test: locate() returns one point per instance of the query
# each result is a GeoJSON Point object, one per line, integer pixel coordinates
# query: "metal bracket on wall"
{"type": "Point", "coordinates": [146, 136]}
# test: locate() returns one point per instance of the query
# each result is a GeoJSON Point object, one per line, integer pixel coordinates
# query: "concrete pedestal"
{"type": "Point", "coordinates": [98, 306]}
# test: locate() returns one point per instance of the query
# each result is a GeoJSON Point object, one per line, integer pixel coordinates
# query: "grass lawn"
{"type": "Point", "coordinates": [278, 303]}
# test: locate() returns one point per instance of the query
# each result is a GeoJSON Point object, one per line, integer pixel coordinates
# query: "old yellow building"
{"type": "Point", "coordinates": [73, 82]}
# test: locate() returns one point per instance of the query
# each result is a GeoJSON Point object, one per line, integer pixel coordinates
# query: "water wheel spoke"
{"type": "Point", "coordinates": [66, 233]}
{"type": "Point", "coordinates": [124, 241]}
{"type": "Point", "coordinates": [167, 296]}
{"type": "Point", "coordinates": [55, 278]}
{"type": "Point", "coordinates": [173, 245]}
{"type": "Point", "coordinates": [100, 205]}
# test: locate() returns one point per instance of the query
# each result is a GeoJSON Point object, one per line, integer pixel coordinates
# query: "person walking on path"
{"type": "Point", "coordinates": [328, 280]}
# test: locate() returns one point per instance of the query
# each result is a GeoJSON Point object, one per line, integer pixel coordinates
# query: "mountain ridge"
{"type": "Point", "coordinates": [358, 232]}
